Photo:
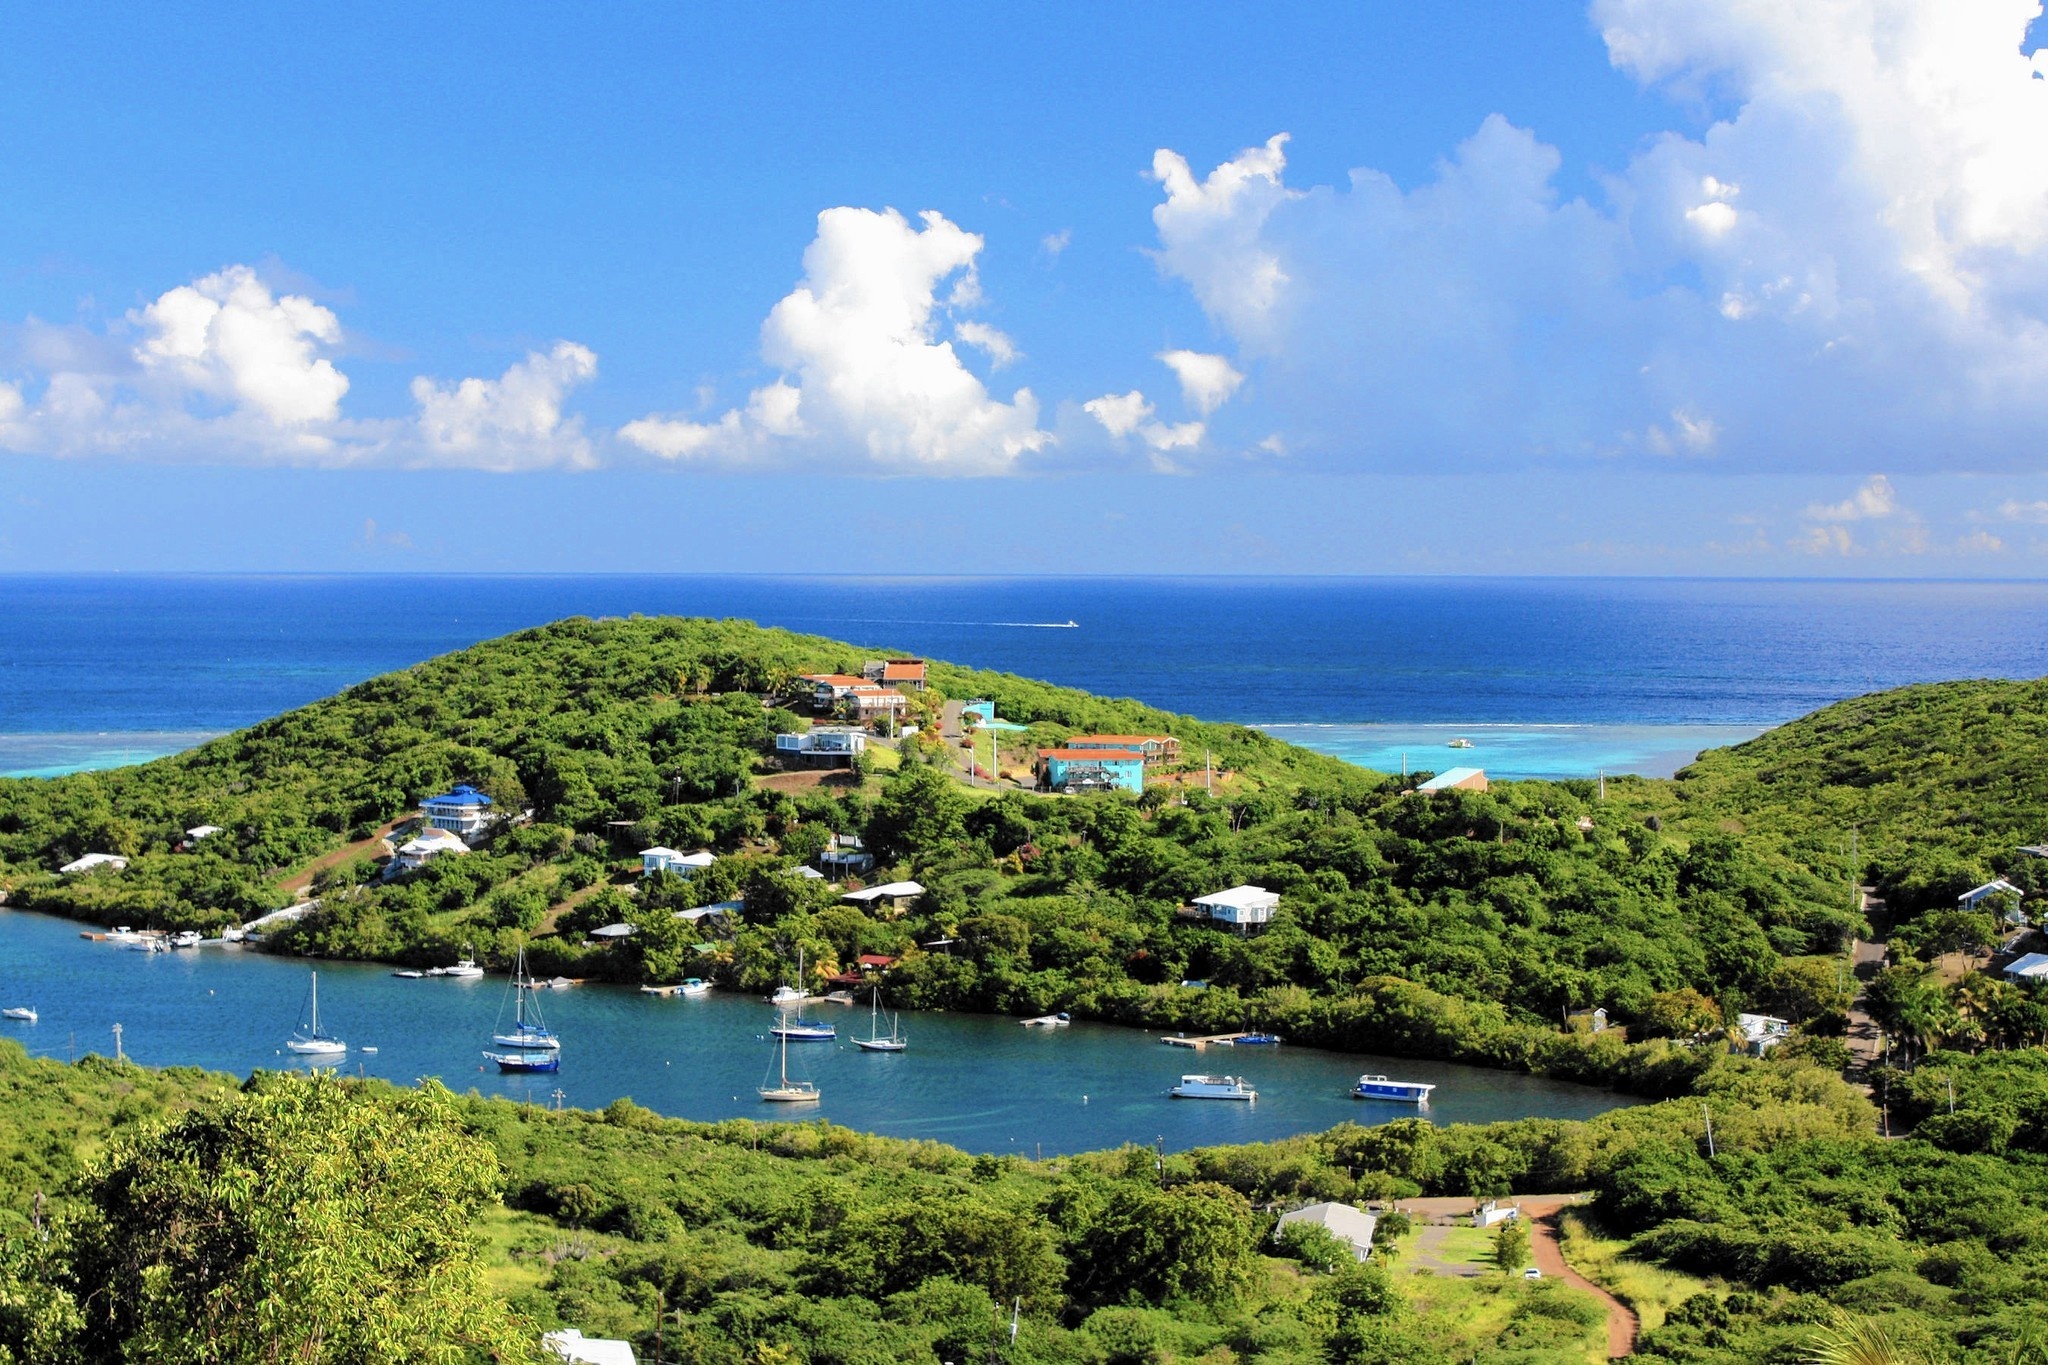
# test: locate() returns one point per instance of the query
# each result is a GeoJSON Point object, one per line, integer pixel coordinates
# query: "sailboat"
{"type": "Point", "coordinates": [314, 1043]}
{"type": "Point", "coordinates": [785, 1090]}
{"type": "Point", "coordinates": [533, 1034]}
{"type": "Point", "coordinates": [875, 1042]}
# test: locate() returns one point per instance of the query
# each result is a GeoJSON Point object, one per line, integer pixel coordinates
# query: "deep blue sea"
{"type": "Point", "coordinates": [1546, 677]}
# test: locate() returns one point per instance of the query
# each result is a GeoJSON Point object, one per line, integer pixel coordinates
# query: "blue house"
{"type": "Point", "coordinates": [1090, 770]}
{"type": "Point", "coordinates": [464, 811]}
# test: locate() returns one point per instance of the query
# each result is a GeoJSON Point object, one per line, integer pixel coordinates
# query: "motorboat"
{"type": "Point", "coordinates": [526, 1063]}
{"type": "Point", "coordinates": [465, 967]}
{"type": "Point", "coordinates": [788, 995]}
{"type": "Point", "coordinates": [25, 1013]}
{"type": "Point", "coordinates": [123, 936]}
{"type": "Point", "coordinates": [694, 985]}
{"type": "Point", "coordinates": [1256, 1040]}
{"type": "Point", "coordinates": [527, 1035]}
{"type": "Point", "coordinates": [233, 935]}
{"type": "Point", "coordinates": [313, 1042]}
{"type": "Point", "coordinates": [1059, 1020]}
{"type": "Point", "coordinates": [802, 1030]}
{"type": "Point", "coordinates": [559, 983]}
{"type": "Point", "coordinates": [875, 1042]}
{"type": "Point", "coordinates": [409, 974]}
{"type": "Point", "coordinates": [1213, 1088]}
{"type": "Point", "coordinates": [784, 1090]}
{"type": "Point", "coordinates": [185, 938]}
{"type": "Point", "coordinates": [1397, 1092]}
{"type": "Point", "coordinates": [1459, 744]}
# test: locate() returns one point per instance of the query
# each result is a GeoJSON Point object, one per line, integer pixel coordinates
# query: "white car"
{"type": "Point", "coordinates": [1532, 1273]}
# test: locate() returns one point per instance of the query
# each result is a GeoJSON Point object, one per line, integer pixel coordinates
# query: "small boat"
{"type": "Point", "coordinates": [786, 994]}
{"type": "Point", "coordinates": [25, 1013]}
{"type": "Point", "coordinates": [1059, 1020]}
{"type": "Point", "coordinates": [409, 974]}
{"type": "Point", "coordinates": [233, 935]}
{"type": "Point", "coordinates": [367, 1050]}
{"type": "Point", "coordinates": [1256, 1040]}
{"type": "Point", "coordinates": [465, 967]}
{"type": "Point", "coordinates": [527, 1035]}
{"type": "Point", "coordinates": [185, 938]}
{"type": "Point", "coordinates": [875, 1042]}
{"type": "Point", "coordinates": [1399, 1092]}
{"type": "Point", "coordinates": [803, 1030]}
{"type": "Point", "coordinates": [559, 983]}
{"type": "Point", "coordinates": [1459, 744]}
{"type": "Point", "coordinates": [1213, 1088]}
{"type": "Point", "coordinates": [123, 936]}
{"type": "Point", "coordinates": [526, 1063]}
{"type": "Point", "coordinates": [694, 985]}
{"type": "Point", "coordinates": [312, 1042]}
{"type": "Point", "coordinates": [785, 1090]}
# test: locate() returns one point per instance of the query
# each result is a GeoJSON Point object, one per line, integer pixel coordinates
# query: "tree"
{"type": "Point", "coordinates": [1683, 1013]}
{"type": "Point", "coordinates": [1510, 1246]}
{"type": "Point", "coordinates": [302, 1219]}
{"type": "Point", "coordinates": [921, 813]}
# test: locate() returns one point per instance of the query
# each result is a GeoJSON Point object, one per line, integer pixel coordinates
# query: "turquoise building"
{"type": "Point", "coordinates": [1086, 770]}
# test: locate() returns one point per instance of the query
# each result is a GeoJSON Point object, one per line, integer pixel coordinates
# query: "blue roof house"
{"type": "Point", "coordinates": [464, 811]}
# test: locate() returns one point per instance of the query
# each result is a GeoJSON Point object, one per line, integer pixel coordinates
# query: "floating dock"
{"type": "Point", "coordinates": [1209, 1040]}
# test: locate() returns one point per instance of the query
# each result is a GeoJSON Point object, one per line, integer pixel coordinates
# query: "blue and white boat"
{"type": "Point", "coordinates": [1213, 1088]}
{"type": "Point", "coordinates": [694, 985]}
{"type": "Point", "coordinates": [802, 1030]}
{"type": "Point", "coordinates": [522, 1063]}
{"type": "Point", "coordinates": [1256, 1040]}
{"type": "Point", "coordinates": [1395, 1092]}
{"type": "Point", "coordinates": [527, 1035]}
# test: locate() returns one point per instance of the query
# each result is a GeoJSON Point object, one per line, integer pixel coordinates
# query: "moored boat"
{"type": "Point", "coordinates": [525, 1063]}
{"type": "Point", "coordinates": [25, 1013]}
{"type": "Point", "coordinates": [784, 1090]}
{"type": "Point", "coordinates": [185, 938]}
{"type": "Point", "coordinates": [313, 1042]}
{"type": "Point", "coordinates": [694, 985]}
{"type": "Point", "coordinates": [1256, 1040]}
{"type": "Point", "coordinates": [526, 1035]}
{"type": "Point", "coordinates": [409, 974]}
{"type": "Point", "coordinates": [875, 1042]}
{"type": "Point", "coordinates": [801, 1030]}
{"type": "Point", "coordinates": [1213, 1088]}
{"type": "Point", "coordinates": [1059, 1020]}
{"type": "Point", "coordinates": [1398, 1092]}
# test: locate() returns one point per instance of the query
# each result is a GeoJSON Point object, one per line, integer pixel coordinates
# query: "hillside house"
{"type": "Point", "coordinates": [1456, 779]}
{"type": "Point", "coordinates": [1242, 906]}
{"type": "Point", "coordinates": [1492, 1213]}
{"type": "Point", "coordinates": [907, 674]}
{"type": "Point", "coordinates": [1152, 748]}
{"type": "Point", "coordinates": [93, 862]}
{"type": "Point", "coordinates": [826, 746]}
{"type": "Point", "coordinates": [199, 834]}
{"type": "Point", "coordinates": [1761, 1032]}
{"type": "Point", "coordinates": [871, 702]}
{"type": "Point", "coordinates": [422, 849]}
{"type": "Point", "coordinates": [1075, 771]}
{"type": "Point", "coordinates": [2032, 967]}
{"type": "Point", "coordinates": [893, 893]}
{"type": "Point", "coordinates": [1976, 895]}
{"type": "Point", "coordinates": [1347, 1223]}
{"type": "Point", "coordinates": [462, 811]}
{"type": "Point", "coordinates": [827, 688]}
{"type": "Point", "coordinates": [653, 860]}
{"type": "Point", "coordinates": [573, 1348]}
{"type": "Point", "coordinates": [846, 856]}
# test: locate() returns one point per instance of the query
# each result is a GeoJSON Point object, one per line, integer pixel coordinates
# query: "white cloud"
{"type": "Point", "coordinates": [1824, 540]}
{"type": "Point", "coordinates": [1119, 413]}
{"type": "Point", "coordinates": [1874, 499]}
{"type": "Point", "coordinates": [1980, 542]}
{"type": "Point", "coordinates": [1850, 264]}
{"type": "Point", "coordinates": [1177, 436]}
{"type": "Point", "coordinates": [228, 336]}
{"type": "Point", "coordinates": [1053, 243]}
{"type": "Point", "coordinates": [1207, 381]}
{"type": "Point", "coordinates": [1000, 349]}
{"type": "Point", "coordinates": [2012, 509]}
{"type": "Point", "coordinates": [866, 378]}
{"type": "Point", "coordinates": [514, 421]}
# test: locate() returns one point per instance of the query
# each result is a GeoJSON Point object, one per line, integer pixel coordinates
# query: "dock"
{"type": "Point", "coordinates": [1209, 1040]}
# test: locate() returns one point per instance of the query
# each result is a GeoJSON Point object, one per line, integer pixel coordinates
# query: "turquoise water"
{"type": "Point", "coordinates": [54, 755]}
{"type": "Point", "coordinates": [1519, 751]}
{"type": "Point", "coordinates": [981, 1083]}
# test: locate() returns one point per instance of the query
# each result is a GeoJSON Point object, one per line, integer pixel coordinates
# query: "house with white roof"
{"type": "Point", "coordinates": [1347, 1223]}
{"type": "Point", "coordinates": [653, 860]}
{"type": "Point", "coordinates": [462, 810]}
{"type": "Point", "coordinates": [422, 849]}
{"type": "Point", "coordinates": [612, 932]}
{"type": "Point", "coordinates": [887, 891]}
{"type": "Point", "coordinates": [823, 746]}
{"type": "Point", "coordinates": [93, 862]}
{"type": "Point", "coordinates": [702, 911]}
{"type": "Point", "coordinates": [1761, 1032]}
{"type": "Point", "coordinates": [1243, 906]}
{"type": "Point", "coordinates": [199, 832]}
{"type": "Point", "coordinates": [846, 855]}
{"type": "Point", "coordinates": [573, 1348]}
{"type": "Point", "coordinates": [2032, 967]}
{"type": "Point", "coordinates": [1456, 779]}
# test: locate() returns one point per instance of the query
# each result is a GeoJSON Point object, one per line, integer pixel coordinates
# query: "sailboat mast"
{"type": "Point", "coordinates": [316, 1004]}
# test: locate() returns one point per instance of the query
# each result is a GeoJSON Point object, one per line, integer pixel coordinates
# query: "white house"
{"type": "Point", "coordinates": [887, 891]}
{"type": "Point", "coordinates": [846, 854]}
{"type": "Point", "coordinates": [722, 908]}
{"type": "Point", "coordinates": [822, 746]}
{"type": "Point", "coordinates": [423, 849]}
{"type": "Point", "coordinates": [92, 862]}
{"type": "Point", "coordinates": [613, 931]}
{"type": "Point", "coordinates": [576, 1349]}
{"type": "Point", "coordinates": [807, 874]}
{"type": "Point", "coordinates": [1348, 1224]}
{"type": "Point", "coordinates": [2032, 967]}
{"type": "Point", "coordinates": [1240, 905]}
{"type": "Point", "coordinates": [464, 811]}
{"type": "Point", "coordinates": [199, 832]}
{"type": "Point", "coordinates": [1968, 900]}
{"type": "Point", "coordinates": [1761, 1032]}
{"type": "Point", "coordinates": [1493, 1212]}
{"type": "Point", "coordinates": [870, 700]}
{"type": "Point", "coordinates": [653, 860]}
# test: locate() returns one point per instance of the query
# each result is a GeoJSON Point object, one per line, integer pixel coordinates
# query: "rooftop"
{"type": "Point", "coordinates": [464, 795]}
{"type": "Point", "coordinates": [1450, 777]}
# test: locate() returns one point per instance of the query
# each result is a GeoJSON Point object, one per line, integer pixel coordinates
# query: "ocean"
{"type": "Point", "coordinates": [1545, 677]}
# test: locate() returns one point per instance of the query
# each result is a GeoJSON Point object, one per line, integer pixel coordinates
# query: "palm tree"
{"type": "Point", "coordinates": [1856, 1341]}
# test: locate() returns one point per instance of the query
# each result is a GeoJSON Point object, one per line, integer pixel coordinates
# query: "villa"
{"type": "Point", "coordinates": [653, 860]}
{"type": "Point", "coordinates": [463, 811]}
{"type": "Point", "coordinates": [1156, 748]}
{"type": "Point", "coordinates": [1243, 906]}
{"type": "Point", "coordinates": [846, 855]}
{"type": "Point", "coordinates": [828, 688]}
{"type": "Point", "coordinates": [1090, 770]}
{"type": "Point", "coordinates": [1456, 779]}
{"type": "Point", "coordinates": [823, 747]}
{"type": "Point", "coordinates": [92, 862]}
{"type": "Point", "coordinates": [871, 700]}
{"type": "Point", "coordinates": [423, 849]}
{"type": "Point", "coordinates": [1349, 1224]}
{"type": "Point", "coordinates": [573, 1348]}
{"type": "Point", "coordinates": [198, 833]}
{"type": "Point", "coordinates": [2032, 967]}
{"type": "Point", "coordinates": [1761, 1032]}
{"type": "Point", "coordinates": [1970, 899]}
{"type": "Point", "coordinates": [893, 892]}
{"type": "Point", "coordinates": [904, 673]}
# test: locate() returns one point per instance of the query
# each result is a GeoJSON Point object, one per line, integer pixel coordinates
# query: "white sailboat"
{"type": "Point", "coordinates": [531, 1035]}
{"type": "Point", "coordinates": [25, 1013]}
{"type": "Point", "coordinates": [312, 1042]}
{"type": "Point", "coordinates": [785, 1090]}
{"type": "Point", "coordinates": [875, 1042]}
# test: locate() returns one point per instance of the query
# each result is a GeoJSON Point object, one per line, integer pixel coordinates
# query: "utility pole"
{"type": "Point", "coordinates": [1603, 784]}
{"type": "Point", "coordinates": [117, 1043]}
{"type": "Point", "coordinates": [1710, 1129]}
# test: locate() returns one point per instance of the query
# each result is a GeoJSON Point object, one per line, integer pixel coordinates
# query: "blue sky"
{"type": "Point", "coordinates": [1659, 286]}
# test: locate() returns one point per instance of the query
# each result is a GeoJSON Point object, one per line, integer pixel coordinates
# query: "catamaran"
{"type": "Point", "coordinates": [531, 1035]}
{"type": "Point", "coordinates": [1400, 1092]}
{"type": "Point", "coordinates": [785, 1090]}
{"type": "Point", "coordinates": [875, 1042]}
{"type": "Point", "coordinates": [1213, 1088]}
{"type": "Point", "coordinates": [312, 1042]}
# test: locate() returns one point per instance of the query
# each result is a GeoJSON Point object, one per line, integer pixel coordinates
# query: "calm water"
{"type": "Point", "coordinates": [1631, 664]}
{"type": "Point", "coordinates": [980, 1083]}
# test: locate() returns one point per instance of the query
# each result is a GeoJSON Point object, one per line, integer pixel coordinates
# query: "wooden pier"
{"type": "Point", "coordinates": [1217, 1039]}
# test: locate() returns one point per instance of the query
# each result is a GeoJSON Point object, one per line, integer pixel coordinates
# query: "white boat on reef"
{"type": "Point", "coordinates": [25, 1013]}
{"type": "Point", "coordinates": [875, 1042]}
{"type": "Point", "coordinates": [1059, 1020]}
{"type": "Point", "coordinates": [783, 1090]}
{"type": "Point", "coordinates": [312, 1042]}
{"type": "Point", "coordinates": [526, 1035]}
{"type": "Point", "coordinates": [1213, 1088]}
{"type": "Point", "coordinates": [1397, 1092]}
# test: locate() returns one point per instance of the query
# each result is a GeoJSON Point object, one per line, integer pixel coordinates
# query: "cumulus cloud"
{"type": "Point", "coordinates": [1207, 381]}
{"type": "Point", "coordinates": [868, 378]}
{"type": "Point", "coordinates": [1119, 413]}
{"type": "Point", "coordinates": [1000, 349]}
{"type": "Point", "coordinates": [229, 369]}
{"type": "Point", "coordinates": [514, 421]}
{"type": "Point", "coordinates": [1852, 262]}
{"type": "Point", "coordinates": [1874, 499]}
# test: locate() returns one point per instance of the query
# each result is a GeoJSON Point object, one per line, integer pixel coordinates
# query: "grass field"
{"type": "Point", "coordinates": [1651, 1290]}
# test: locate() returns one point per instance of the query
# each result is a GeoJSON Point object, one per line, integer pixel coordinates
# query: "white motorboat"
{"type": "Point", "coordinates": [875, 1042]}
{"type": "Point", "coordinates": [694, 985]}
{"type": "Point", "coordinates": [233, 935]}
{"type": "Point", "coordinates": [1398, 1092]}
{"type": "Point", "coordinates": [123, 936]}
{"type": "Point", "coordinates": [1059, 1020]}
{"type": "Point", "coordinates": [409, 974]}
{"type": "Point", "coordinates": [312, 1042]}
{"type": "Point", "coordinates": [1214, 1088]}
{"type": "Point", "coordinates": [25, 1013]}
{"type": "Point", "coordinates": [185, 938]}
{"type": "Point", "coordinates": [465, 968]}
